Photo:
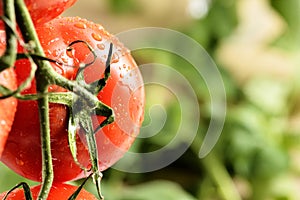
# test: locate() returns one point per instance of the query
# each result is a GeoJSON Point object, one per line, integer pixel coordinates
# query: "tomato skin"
{"type": "Point", "coordinates": [124, 92]}
{"type": "Point", "coordinates": [58, 191]}
{"type": "Point", "coordinates": [42, 11]}
{"type": "Point", "coordinates": [7, 106]}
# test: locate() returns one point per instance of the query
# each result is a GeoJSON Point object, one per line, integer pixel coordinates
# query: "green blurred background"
{"type": "Point", "coordinates": [256, 45]}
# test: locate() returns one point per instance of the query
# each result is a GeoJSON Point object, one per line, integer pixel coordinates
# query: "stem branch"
{"type": "Point", "coordinates": [9, 57]}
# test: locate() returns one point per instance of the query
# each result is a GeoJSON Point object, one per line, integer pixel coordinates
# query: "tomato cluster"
{"type": "Point", "coordinates": [20, 138]}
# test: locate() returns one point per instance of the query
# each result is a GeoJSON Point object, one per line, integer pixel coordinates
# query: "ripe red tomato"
{"type": "Point", "coordinates": [123, 92]}
{"type": "Point", "coordinates": [7, 106]}
{"type": "Point", "coordinates": [58, 191]}
{"type": "Point", "coordinates": [42, 11]}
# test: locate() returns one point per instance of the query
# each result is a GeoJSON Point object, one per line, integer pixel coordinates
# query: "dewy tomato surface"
{"type": "Point", "coordinates": [124, 92]}
{"type": "Point", "coordinates": [7, 106]}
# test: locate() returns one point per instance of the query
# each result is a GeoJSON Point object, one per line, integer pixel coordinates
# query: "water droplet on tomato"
{"type": "Point", "coordinates": [3, 122]}
{"type": "Point", "coordinates": [96, 37]}
{"type": "Point", "coordinates": [135, 131]}
{"type": "Point", "coordinates": [55, 53]}
{"type": "Point", "coordinates": [21, 155]}
{"type": "Point", "coordinates": [13, 102]}
{"type": "Point", "coordinates": [80, 25]}
{"type": "Point", "coordinates": [101, 46]}
{"type": "Point", "coordinates": [115, 108]}
{"type": "Point", "coordinates": [106, 141]}
{"type": "Point", "coordinates": [141, 119]}
{"type": "Point", "coordinates": [64, 60]}
{"type": "Point", "coordinates": [89, 166]}
{"type": "Point", "coordinates": [115, 58]}
{"type": "Point", "coordinates": [70, 53]}
{"type": "Point", "coordinates": [19, 162]}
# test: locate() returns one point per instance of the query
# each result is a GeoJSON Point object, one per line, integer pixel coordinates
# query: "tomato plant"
{"type": "Point", "coordinates": [7, 106]}
{"type": "Point", "coordinates": [42, 11]}
{"type": "Point", "coordinates": [123, 92]}
{"type": "Point", "coordinates": [58, 191]}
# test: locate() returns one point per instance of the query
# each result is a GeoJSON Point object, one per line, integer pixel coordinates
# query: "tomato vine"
{"type": "Point", "coordinates": [45, 75]}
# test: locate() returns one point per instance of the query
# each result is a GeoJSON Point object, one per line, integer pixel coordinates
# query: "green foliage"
{"type": "Point", "coordinates": [289, 10]}
{"type": "Point", "coordinates": [9, 179]}
{"type": "Point", "coordinates": [123, 6]}
{"type": "Point", "coordinates": [152, 190]}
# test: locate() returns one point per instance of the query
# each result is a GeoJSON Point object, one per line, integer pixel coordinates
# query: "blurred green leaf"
{"type": "Point", "coordinates": [269, 162]}
{"type": "Point", "coordinates": [269, 95]}
{"type": "Point", "coordinates": [8, 179]}
{"type": "Point", "coordinates": [123, 6]}
{"type": "Point", "coordinates": [165, 190]}
{"type": "Point", "coordinates": [289, 10]}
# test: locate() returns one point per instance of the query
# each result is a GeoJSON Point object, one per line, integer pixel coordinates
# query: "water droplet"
{"type": "Point", "coordinates": [70, 53]}
{"type": "Point", "coordinates": [141, 119]}
{"type": "Point", "coordinates": [115, 58]}
{"type": "Point", "coordinates": [3, 122]}
{"type": "Point", "coordinates": [64, 60]}
{"type": "Point", "coordinates": [96, 36]}
{"type": "Point", "coordinates": [19, 162]}
{"type": "Point", "coordinates": [106, 141]}
{"type": "Point", "coordinates": [80, 25]}
{"type": "Point", "coordinates": [55, 53]}
{"type": "Point", "coordinates": [101, 46]}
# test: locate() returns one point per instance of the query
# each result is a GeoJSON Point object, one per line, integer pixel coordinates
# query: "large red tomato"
{"type": "Point", "coordinates": [42, 11]}
{"type": "Point", "coordinates": [58, 191]}
{"type": "Point", "coordinates": [123, 92]}
{"type": "Point", "coordinates": [7, 106]}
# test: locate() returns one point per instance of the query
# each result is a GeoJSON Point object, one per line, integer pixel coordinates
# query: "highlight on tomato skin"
{"type": "Point", "coordinates": [124, 93]}
{"type": "Point", "coordinates": [42, 11]}
{"type": "Point", "coordinates": [59, 191]}
{"type": "Point", "coordinates": [8, 106]}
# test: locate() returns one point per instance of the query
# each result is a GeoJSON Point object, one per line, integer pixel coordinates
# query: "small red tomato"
{"type": "Point", "coordinates": [7, 106]}
{"type": "Point", "coordinates": [124, 93]}
{"type": "Point", "coordinates": [58, 191]}
{"type": "Point", "coordinates": [42, 11]}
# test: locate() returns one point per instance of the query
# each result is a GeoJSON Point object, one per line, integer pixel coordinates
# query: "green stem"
{"type": "Point", "coordinates": [218, 173]}
{"type": "Point", "coordinates": [26, 188]}
{"type": "Point", "coordinates": [43, 105]}
{"type": "Point", "coordinates": [9, 57]}
{"type": "Point", "coordinates": [42, 83]}
{"type": "Point", "coordinates": [221, 177]}
{"type": "Point", "coordinates": [92, 146]}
